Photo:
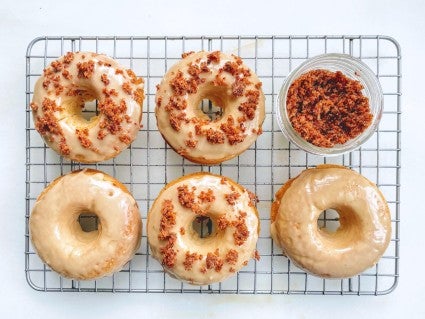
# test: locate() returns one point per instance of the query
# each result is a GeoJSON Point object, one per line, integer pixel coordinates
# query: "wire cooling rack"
{"type": "Point", "coordinates": [149, 163]}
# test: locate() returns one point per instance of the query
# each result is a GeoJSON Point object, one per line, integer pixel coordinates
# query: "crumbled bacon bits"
{"type": "Point", "coordinates": [182, 231]}
{"type": "Point", "coordinates": [253, 199]}
{"type": "Point", "coordinates": [190, 259]}
{"type": "Point", "coordinates": [182, 86]}
{"type": "Point", "coordinates": [190, 143]}
{"type": "Point", "coordinates": [82, 135]}
{"type": "Point", "coordinates": [207, 197]}
{"type": "Point", "coordinates": [104, 78]}
{"type": "Point", "coordinates": [114, 114]}
{"type": "Point", "coordinates": [232, 197]}
{"type": "Point", "coordinates": [235, 134]}
{"type": "Point", "coordinates": [215, 137]}
{"type": "Point", "coordinates": [169, 255]}
{"type": "Point", "coordinates": [231, 257]}
{"type": "Point", "coordinates": [250, 106]}
{"type": "Point", "coordinates": [186, 54]}
{"type": "Point", "coordinates": [63, 147]}
{"type": "Point", "coordinates": [186, 197]}
{"type": "Point", "coordinates": [48, 123]}
{"type": "Point", "coordinates": [241, 230]}
{"type": "Point", "coordinates": [66, 74]}
{"type": "Point", "coordinates": [126, 87]}
{"type": "Point", "coordinates": [256, 255]}
{"type": "Point", "coordinates": [139, 95]}
{"type": "Point", "coordinates": [67, 59]}
{"type": "Point", "coordinates": [327, 108]}
{"type": "Point", "coordinates": [213, 261]}
{"type": "Point", "coordinates": [134, 79]}
{"type": "Point", "coordinates": [168, 221]}
{"type": "Point", "coordinates": [111, 92]}
{"type": "Point", "coordinates": [34, 106]}
{"type": "Point", "coordinates": [213, 57]}
{"type": "Point", "coordinates": [222, 222]}
{"type": "Point", "coordinates": [56, 66]}
{"type": "Point", "coordinates": [125, 138]}
{"type": "Point", "coordinates": [48, 126]}
{"type": "Point", "coordinates": [85, 69]}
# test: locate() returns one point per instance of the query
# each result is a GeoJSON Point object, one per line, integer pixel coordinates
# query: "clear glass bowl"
{"type": "Point", "coordinates": [350, 67]}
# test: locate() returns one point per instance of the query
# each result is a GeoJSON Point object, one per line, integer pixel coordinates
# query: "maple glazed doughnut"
{"type": "Point", "coordinates": [174, 242]}
{"type": "Point", "coordinates": [229, 84]}
{"type": "Point", "coordinates": [365, 222]}
{"type": "Point", "coordinates": [59, 97]}
{"type": "Point", "coordinates": [59, 239]}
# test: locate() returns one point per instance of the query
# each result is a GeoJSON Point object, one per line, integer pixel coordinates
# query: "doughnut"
{"type": "Point", "coordinates": [59, 97]}
{"type": "Point", "coordinates": [365, 222]}
{"type": "Point", "coordinates": [229, 84]}
{"type": "Point", "coordinates": [182, 252]}
{"type": "Point", "coordinates": [59, 239]}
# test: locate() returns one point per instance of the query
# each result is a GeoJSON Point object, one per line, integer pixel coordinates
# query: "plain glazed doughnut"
{"type": "Point", "coordinates": [59, 239]}
{"type": "Point", "coordinates": [229, 84]}
{"type": "Point", "coordinates": [59, 97]}
{"type": "Point", "coordinates": [179, 248]}
{"type": "Point", "coordinates": [365, 221]}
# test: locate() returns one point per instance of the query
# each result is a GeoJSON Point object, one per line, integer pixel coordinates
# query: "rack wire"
{"type": "Point", "coordinates": [149, 163]}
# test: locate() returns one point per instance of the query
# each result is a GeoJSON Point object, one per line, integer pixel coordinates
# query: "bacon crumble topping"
{"type": "Point", "coordinates": [213, 261]}
{"type": "Point", "coordinates": [85, 69]}
{"type": "Point", "coordinates": [82, 135]}
{"type": "Point", "coordinates": [168, 221]}
{"type": "Point", "coordinates": [186, 54]}
{"type": "Point", "coordinates": [207, 197]}
{"type": "Point", "coordinates": [327, 108]}
{"type": "Point", "coordinates": [104, 78]}
{"type": "Point", "coordinates": [241, 230]}
{"type": "Point", "coordinates": [232, 197]}
{"type": "Point", "coordinates": [222, 222]}
{"type": "Point", "coordinates": [190, 259]}
{"type": "Point", "coordinates": [126, 87]}
{"type": "Point", "coordinates": [187, 199]}
{"type": "Point", "coordinates": [114, 114]}
{"type": "Point", "coordinates": [232, 257]}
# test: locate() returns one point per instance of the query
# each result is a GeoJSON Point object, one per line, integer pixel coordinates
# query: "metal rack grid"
{"type": "Point", "coordinates": [149, 163]}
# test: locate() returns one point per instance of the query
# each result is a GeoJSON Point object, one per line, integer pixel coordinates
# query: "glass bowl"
{"type": "Point", "coordinates": [352, 68]}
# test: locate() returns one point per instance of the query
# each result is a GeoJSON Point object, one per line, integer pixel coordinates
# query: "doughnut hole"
{"type": "Point", "coordinates": [213, 112]}
{"type": "Point", "coordinates": [88, 222]}
{"type": "Point", "coordinates": [339, 227]}
{"type": "Point", "coordinates": [328, 221]}
{"type": "Point", "coordinates": [212, 103]}
{"type": "Point", "coordinates": [204, 226]}
{"type": "Point", "coordinates": [82, 108]}
{"type": "Point", "coordinates": [86, 226]}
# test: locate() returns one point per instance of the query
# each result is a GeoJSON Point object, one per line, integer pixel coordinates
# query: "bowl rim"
{"type": "Point", "coordinates": [339, 59]}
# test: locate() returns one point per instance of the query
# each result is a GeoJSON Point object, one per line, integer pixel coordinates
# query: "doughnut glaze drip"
{"type": "Point", "coordinates": [179, 248]}
{"type": "Point", "coordinates": [365, 222]}
{"type": "Point", "coordinates": [61, 93]}
{"type": "Point", "coordinates": [229, 84]}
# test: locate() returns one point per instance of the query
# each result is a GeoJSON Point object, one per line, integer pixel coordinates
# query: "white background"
{"type": "Point", "coordinates": [22, 21]}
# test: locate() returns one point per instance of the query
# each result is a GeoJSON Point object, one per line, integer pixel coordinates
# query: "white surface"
{"type": "Point", "coordinates": [20, 22]}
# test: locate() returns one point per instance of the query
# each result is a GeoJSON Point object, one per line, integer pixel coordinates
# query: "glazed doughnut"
{"type": "Point", "coordinates": [59, 97]}
{"type": "Point", "coordinates": [229, 84]}
{"type": "Point", "coordinates": [365, 222]}
{"type": "Point", "coordinates": [174, 242]}
{"type": "Point", "coordinates": [59, 239]}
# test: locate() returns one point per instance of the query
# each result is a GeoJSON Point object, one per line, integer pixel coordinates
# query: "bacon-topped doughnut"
{"type": "Point", "coordinates": [229, 84]}
{"type": "Point", "coordinates": [179, 248]}
{"type": "Point", "coordinates": [59, 97]}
